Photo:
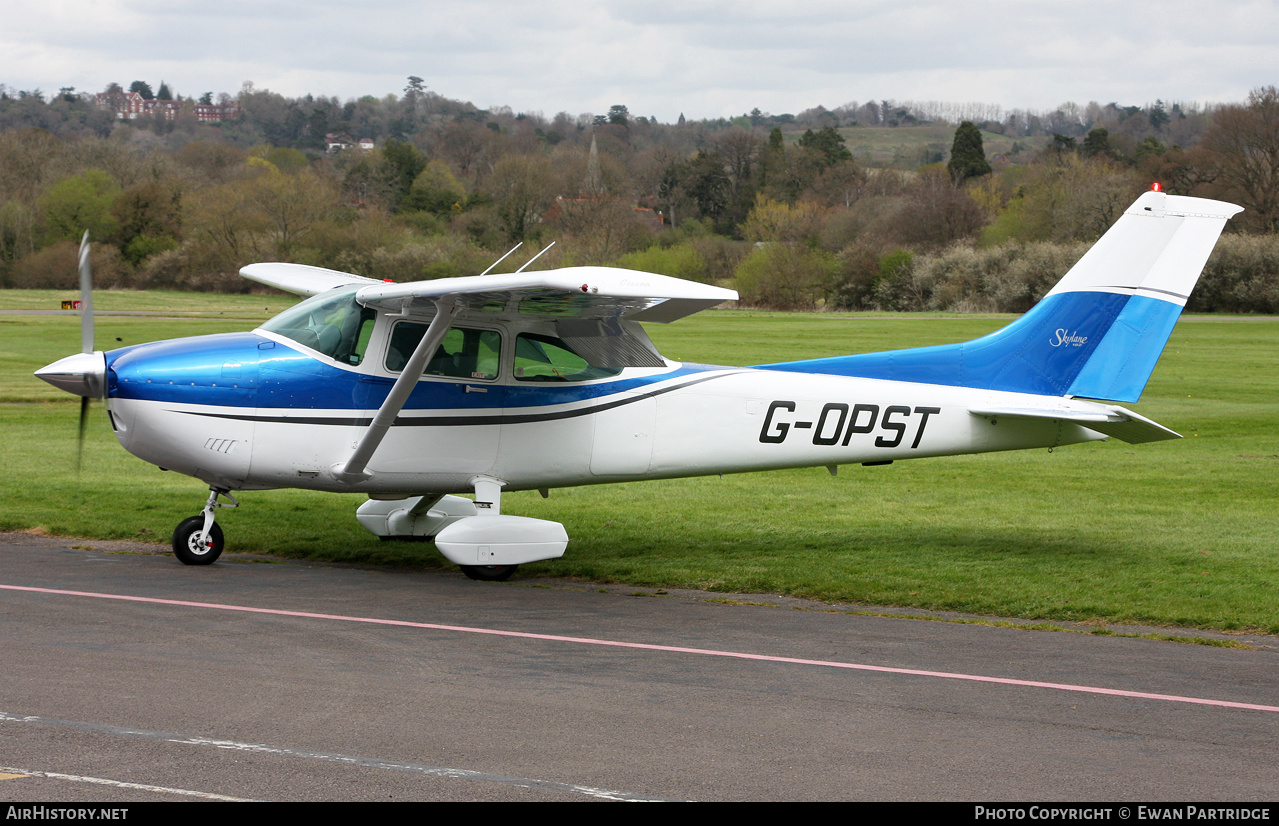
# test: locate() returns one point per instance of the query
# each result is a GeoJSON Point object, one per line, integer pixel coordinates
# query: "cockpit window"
{"type": "Point", "coordinates": [546, 358]}
{"type": "Point", "coordinates": [463, 354]}
{"type": "Point", "coordinates": [335, 325]}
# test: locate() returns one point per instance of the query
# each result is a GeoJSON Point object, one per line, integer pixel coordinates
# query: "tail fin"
{"type": "Point", "coordinates": [1097, 334]}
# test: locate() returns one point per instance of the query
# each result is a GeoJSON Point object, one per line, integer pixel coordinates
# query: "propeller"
{"type": "Point", "coordinates": [85, 373]}
{"type": "Point", "coordinates": [86, 336]}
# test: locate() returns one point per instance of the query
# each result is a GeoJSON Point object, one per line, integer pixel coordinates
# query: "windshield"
{"type": "Point", "coordinates": [335, 325]}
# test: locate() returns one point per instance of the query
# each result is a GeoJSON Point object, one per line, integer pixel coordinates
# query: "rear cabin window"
{"type": "Point", "coordinates": [463, 354]}
{"type": "Point", "coordinates": [546, 358]}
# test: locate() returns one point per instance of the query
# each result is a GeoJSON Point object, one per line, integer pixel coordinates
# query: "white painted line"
{"type": "Point", "coordinates": [120, 784]}
{"type": "Point", "coordinates": [350, 760]}
{"type": "Point", "coordinates": [706, 652]}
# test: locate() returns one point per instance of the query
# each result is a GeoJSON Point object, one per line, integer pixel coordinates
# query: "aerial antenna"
{"type": "Point", "coordinates": [503, 258]}
{"type": "Point", "coordinates": [535, 257]}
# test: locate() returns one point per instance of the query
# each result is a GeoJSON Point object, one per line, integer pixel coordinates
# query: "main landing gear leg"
{"type": "Point", "coordinates": [488, 500]}
{"type": "Point", "coordinates": [198, 540]}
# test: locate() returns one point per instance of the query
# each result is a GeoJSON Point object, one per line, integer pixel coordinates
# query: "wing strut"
{"type": "Point", "coordinates": [446, 309]}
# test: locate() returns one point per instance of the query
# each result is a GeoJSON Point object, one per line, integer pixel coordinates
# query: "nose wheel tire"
{"type": "Point", "coordinates": [187, 546]}
{"type": "Point", "coordinates": [489, 573]}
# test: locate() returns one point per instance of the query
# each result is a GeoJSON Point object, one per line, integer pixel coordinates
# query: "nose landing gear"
{"type": "Point", "coordinates": [198, 540]}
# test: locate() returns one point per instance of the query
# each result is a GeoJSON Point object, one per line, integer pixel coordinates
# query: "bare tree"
{"type": "Point", "coordinates": [841, 184]}
{"type": "Point", "coordinates": [936, 211]}
{"type": "Point", "coordinates": [1243, 150]}
{"type": "Point", "coordinates": [521, 188]}
{"type": "Point", "coordinates": [740, 151]}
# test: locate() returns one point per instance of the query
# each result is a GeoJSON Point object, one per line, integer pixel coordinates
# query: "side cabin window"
{"type": "Point", "coordinates": [335, 325]}
{"type": "Point", "coordinates": [546, 358]}
{"type": "Point", "coordinates": [463, 354]}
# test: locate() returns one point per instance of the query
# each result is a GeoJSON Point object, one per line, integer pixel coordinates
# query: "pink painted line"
{"type": "Point", "coordinates": [707, 652]}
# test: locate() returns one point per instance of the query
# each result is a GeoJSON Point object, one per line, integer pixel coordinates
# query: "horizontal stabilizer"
{"type": "Point", "coordinates": [1112, 420]}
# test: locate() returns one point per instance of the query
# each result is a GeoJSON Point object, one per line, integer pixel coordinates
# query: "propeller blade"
{"type": "Point", "coordinates": [84, 421]}
{"type": "Point", "coordinates": [86, 337]}
{"type": "Point", "coordinates": [86, 297]}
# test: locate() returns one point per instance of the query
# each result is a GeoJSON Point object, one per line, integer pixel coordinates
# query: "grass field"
{"type": "Point", "coordinates": [1173, 533]}
{"type": "Point", "coordinates": [912, 146]}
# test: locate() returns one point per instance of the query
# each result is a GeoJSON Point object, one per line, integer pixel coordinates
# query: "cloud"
{"type": "Point", "coordinates": [661, 57]}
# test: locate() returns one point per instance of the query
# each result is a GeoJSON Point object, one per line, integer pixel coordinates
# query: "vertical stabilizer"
{"type": "Point", "coordinates": [1097, 334]}
{"type": "Point", "coordinates": [1151, 258]}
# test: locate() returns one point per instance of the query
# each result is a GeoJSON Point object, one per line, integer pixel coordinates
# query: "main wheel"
{"type": "Point", "coordinates": [187, 546]}
{"type": "Point", "coordinates": [489, 573]}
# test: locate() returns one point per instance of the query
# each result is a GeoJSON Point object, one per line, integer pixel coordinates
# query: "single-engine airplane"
{"type": "Point", "coordinates": [412, 393]}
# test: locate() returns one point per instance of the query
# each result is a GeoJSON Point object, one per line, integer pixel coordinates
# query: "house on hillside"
{"type": "Point", "coordinates": [337, 141]}
{"type": "Point", "coordinates": [131, 106]}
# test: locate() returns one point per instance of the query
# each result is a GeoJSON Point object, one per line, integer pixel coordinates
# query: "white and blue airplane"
{"type": "Point", "coordinates": [412, 393]}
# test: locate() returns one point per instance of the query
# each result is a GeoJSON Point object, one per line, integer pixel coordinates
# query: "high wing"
{"type": "Point", "coordinates": [587, 293]}
{"type": "Point", "coordinates": [572, 292]}
{"type": "Point", "coordinates": [300, 279]}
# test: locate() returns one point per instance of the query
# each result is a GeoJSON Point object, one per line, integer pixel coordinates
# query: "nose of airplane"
{"type": "Point", "coordinates": [84, 374]}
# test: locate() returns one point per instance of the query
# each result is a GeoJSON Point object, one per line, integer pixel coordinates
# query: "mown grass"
{"type": "Point", "coordinates": [882, 145]}
{"type": "Point", "coordinates": [165, 302]}
{"type": "Point", "coordinates": [1173, 533]}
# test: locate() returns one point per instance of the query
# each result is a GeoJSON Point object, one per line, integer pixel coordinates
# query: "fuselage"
{"type": "Point", "coordinates": [260, 410]}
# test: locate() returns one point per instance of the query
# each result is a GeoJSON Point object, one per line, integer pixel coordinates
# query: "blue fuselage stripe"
{"type": "Point", "coordinates": [245, 370]}
{"type": "Point", "coordinates": [1100, 345]}
{"type": "Point", "coordinates": [1095, 344]}
{"type": "Point", "coordinates": [467, 421]}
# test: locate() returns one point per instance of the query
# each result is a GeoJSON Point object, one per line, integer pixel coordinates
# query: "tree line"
{"type": "Point", "coordinates": [779, 206]}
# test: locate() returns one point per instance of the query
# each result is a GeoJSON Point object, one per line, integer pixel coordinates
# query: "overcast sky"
{"type": "Point", "coordinates": [702, 58]}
